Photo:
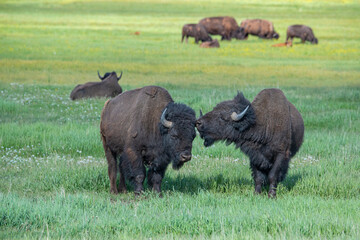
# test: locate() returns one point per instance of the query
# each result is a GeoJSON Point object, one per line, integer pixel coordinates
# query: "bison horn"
{"type": "Point", "coordinates": [236, 117]}
{"type": "Point", "coordinates": [201, 113]}
{"type": "Point", "coordinates": [165, 122]}
{"type": "Point", "coordinates": [119, 76]}
{"type": "Point", "coordinates": [100, 76]}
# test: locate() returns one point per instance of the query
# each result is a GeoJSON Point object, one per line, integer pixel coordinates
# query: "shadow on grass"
{"type": "Point", "coordinates": [290, 181]}
{"type": "Point", "coordinates": [193, 184]}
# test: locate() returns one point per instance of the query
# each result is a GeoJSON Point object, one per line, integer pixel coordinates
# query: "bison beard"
{"type": "Point", "coordinates": [145, 128]}
{"type": "Point", "coordinates": [269, 131]}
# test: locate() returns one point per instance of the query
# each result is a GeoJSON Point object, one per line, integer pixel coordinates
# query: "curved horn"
{"type": "Point", "coordinates": [100, 76]}
{"type": "Point", "coordinates": [236, 117]}
{"type": "Point", "coordinates": [165, 122]}
{"type": "Point", "coordinates": [201, 113]}
{"type": "Point", "coordinates": [119, 76]}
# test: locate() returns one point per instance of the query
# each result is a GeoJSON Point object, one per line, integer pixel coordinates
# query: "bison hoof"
{"type": "Point", "coordinates": [272, 194]}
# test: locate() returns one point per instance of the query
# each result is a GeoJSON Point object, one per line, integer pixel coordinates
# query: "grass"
{"type": "Point", "coordinates": [53, 172]}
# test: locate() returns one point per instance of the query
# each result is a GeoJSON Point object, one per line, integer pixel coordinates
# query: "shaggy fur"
{"type": "Point", "coordinates": [195, 30]}
{"type": "Point", "coordinates": [108, 87]}
{"type": "Point", "coordinates": [258, 27]}
{"type": "Point", "coordinates": [226, 27]}
{"type": "Point", "coordinates": [134, 137]}
{"type": "Point", "coordinates": [303, 32]}
{"type": "Point", "coordinates": [270, 133]}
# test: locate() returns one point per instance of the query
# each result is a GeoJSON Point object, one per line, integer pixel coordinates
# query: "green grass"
{"type": "Point", "coordinates": [53, 172]}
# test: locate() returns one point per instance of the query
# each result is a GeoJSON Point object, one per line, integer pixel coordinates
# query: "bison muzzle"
{"type": "Point", "coordinates": [145, 128]}
{"type": "Point", "coordinates": [269, 131]}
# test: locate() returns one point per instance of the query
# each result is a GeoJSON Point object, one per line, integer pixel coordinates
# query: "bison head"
{"type": "Point", "coordinates": [240, 34]}
{"type": "Point", "coordinates": [177, 127]}
{"type": "Point", "coordinates": [226, 121]}
{"type": "Point", "coordinates": [109, 75]}
{"type": "Point", "coordinates": [275, 35]}
{"type": "Point", "coordinates": [314, 40]}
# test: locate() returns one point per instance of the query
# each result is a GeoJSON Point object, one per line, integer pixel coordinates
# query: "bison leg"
{"type": "Point", "coordinates": [122, 183]}
{"type": "Point", "coordinates": [277, 173]}
{"type": "Point", "coordinates": [155, 179]}
{"type": "Point", "coordinates": [259, 178]}
{"type": "Point", "coordinates": [112, 169]}
{"type": "Point", "coordinates": [137, 169]}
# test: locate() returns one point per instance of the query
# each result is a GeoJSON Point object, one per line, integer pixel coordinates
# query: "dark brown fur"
{"type": "Point", "coordinates": [212, 44]}
{"type": "Point", "coordinates": [134, 138]}
{"type": "Point", "coordinates": [223, 26]}
{"type": "Point", "coordinates": [303, 32]}
{"type": "Point", "coordinates": [270, 133]}
{"type": "Point", "coordinates": [195, 30]}
{"type": "Point", "coordinates": [108, 87]}
{"type": "Point", "coordinates": [259, 27]}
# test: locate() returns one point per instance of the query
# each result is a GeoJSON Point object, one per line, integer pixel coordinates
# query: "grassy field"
{"type": "Point", "coordinates": [53, 172]}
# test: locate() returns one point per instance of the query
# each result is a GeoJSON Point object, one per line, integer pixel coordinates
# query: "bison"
{"type": "Point", "coordinates": [257, 27]}
{"type": "Point", "coordinates": [145, 128]}
{"type": "Point", "coordinates": [269, 131]}
{"type": "Point", "coordinates": [212, 44]}
{"type": "Point", "coordinates": [226, 27]}
{"type": "Point", "coordinates": [108, 87]}
{"type": "Point", "coordinates": [301, 31]}
{"type": "Point", "coordinates": [195, 30]}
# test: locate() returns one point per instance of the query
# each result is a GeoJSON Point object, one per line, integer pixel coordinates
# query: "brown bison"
{"type": "Point", "coordinates": [285, 44]}
{"type": "Point", "coordinates": [301, 31]}
{"type": "Point", "coordinates": [108, 87]}
{"type": "Point", "coordinates": [258, 27]}
{"type": "Point", "coordinates": [212, 44]}
{"type": "Point", "coordinates": [226, 27]}
{"type": "Point", "coordinates": [269, 131]}
{"type": "Point", "coordinates": [195, 30]}
{"type": "Point", "coordinates": [145, 128]}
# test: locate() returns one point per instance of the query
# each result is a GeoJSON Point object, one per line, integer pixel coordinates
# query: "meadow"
{"type": "Point", "coordinates": [53, 172]}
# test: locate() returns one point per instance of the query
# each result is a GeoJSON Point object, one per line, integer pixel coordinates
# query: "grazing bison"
{"type": "Point", "coordinates": [145, 128]}
{"type": "Point", "coordinates": [195, 30]}
{"type": "Point", "coordinates": [258, 27]}
{"type": "Point", "coordinates": [269, 131]}
{"type": "Point", "coordinates": [226, 27]}
{"type": "Point", "coordinates": [108, 87]}
{"type": "Point", "coordinates": [301, 31]}
{"type": "Point", "coordinates": [212, 44]}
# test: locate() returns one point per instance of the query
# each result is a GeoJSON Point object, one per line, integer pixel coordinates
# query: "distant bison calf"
{"type": "Point", "coordinates": [212, 44]}
{"type": "Point", "coordinates": [258, 27]}
{"type": "Point", "coordinates": [145, 128]}
{"type": "Point", "coordinates": [108, 87]}
{"type": "Point", "coordinates": [269, 130]}
{"type": "Point", "coordinates": [195, 30]}
{"type": "Point", "coordinates": [303, 32]}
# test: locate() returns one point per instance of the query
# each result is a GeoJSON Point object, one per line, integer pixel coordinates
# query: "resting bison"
{"type": "Point", "coordinates": [145, 128]}
{"type": "Point", "coordinates": [269, 131]}
{"type": "Point", "coordinates": [226, 27]}
{"type": "Point", "coordinates": [108, 87]}
{"type": "Point", "coordinates": [258, 27]}
{"type": "Point", "coordinates": [212, 44]}
{"type": "Point", "coordinates": [195, 30]}
{"type": "Point", "coordinates": [301, 31]}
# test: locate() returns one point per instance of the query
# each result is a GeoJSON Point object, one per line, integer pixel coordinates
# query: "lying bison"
{"type": "Point", "coordinates": [226, 27]}
{"type": "Point", "coordinates": [145, 128]}
{"type": "Point", "coordinates": [301, 31]}
{"type": "Point", "coordinates": [195, 30]}
{"type": "Point", "coordinates": [108, 87]}
{"type": "Point", "coordinates": [269, 131]}
{"type": "Point", "coordinates": [258, 27]}
{"type": "Point", "coordinates": [212, 44]}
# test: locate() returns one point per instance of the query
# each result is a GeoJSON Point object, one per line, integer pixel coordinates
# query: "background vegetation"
{"type": "Point", "coordinates": [53, 172]}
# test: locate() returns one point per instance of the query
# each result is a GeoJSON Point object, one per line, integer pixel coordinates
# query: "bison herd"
{"type": "Point", "coordinates": [228, 28]}
{"type": "Point", "coordinates": [144, 130]}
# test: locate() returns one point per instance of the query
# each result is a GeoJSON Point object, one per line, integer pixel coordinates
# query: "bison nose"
{"type": "Point", "coordinates": [198, 123]}
{"type": "Point", "coordinates": [185, 157]}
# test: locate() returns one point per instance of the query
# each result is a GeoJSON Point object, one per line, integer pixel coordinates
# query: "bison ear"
{"type": "Point", "coordinates": [239, 97]}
